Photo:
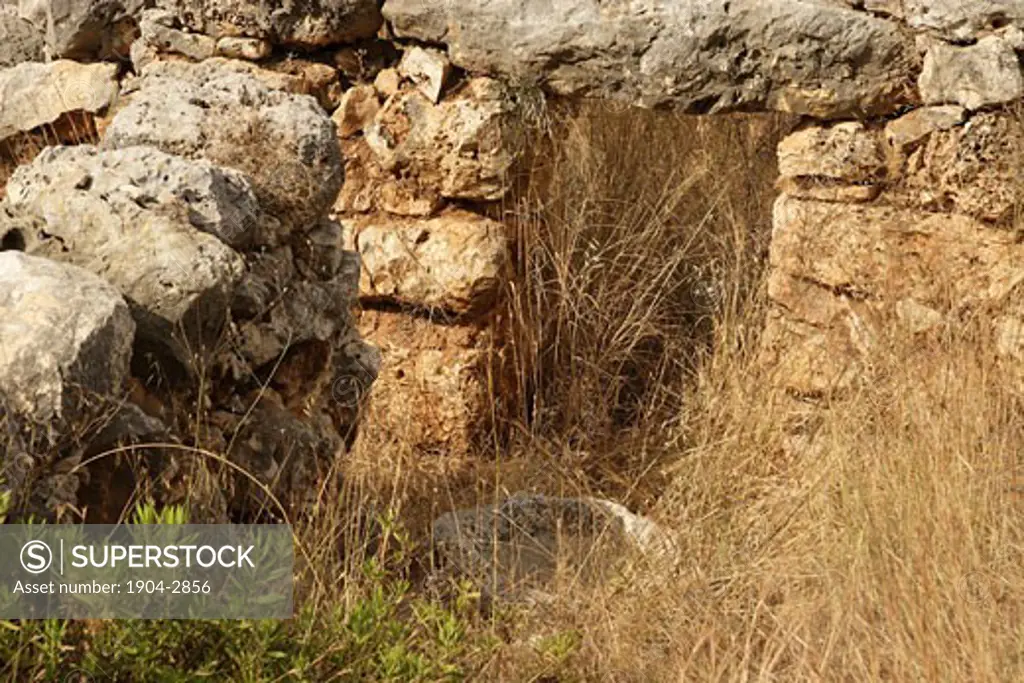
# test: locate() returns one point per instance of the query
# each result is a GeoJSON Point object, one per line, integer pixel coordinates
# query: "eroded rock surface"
{"type": "Point", "coordinates": [109, 213]}
{"type": "Point", "coordinates": [700, 57]}
{"type": "Point", "coordinates": [285, 143]}
{"type": "Point", "coordinates": [454, 263]}
{"type": "Point", "coordinates": [312, 24]}
{"type": "Point", "coordinates": [33, 93]}
{"type": "Point", "coordinates": [65, 337]}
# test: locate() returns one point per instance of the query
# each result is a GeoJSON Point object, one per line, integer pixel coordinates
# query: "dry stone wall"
{"type": "Point", "coordinates": [272, 183]}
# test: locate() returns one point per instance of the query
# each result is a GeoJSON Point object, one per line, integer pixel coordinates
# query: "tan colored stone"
{"type": "Point", "coordinates": [34, 94]}
{"type": "Point", "coordinates": [914, 127]}
{"type": "Point", "coordinates": [453, 263]}
{"type": "Point", "coordinates": [971, 169]}
{"type": "Point", "coordinates": [387, 82]}
{"type": "Point", "coordinates": [252, 49]}
{"type": "Point", "coordinates": [844, 275]}
{"type": "Point", "coordinates": [356, 110]}
{"type": "Point", "coordinates": [887, 254]}
{"type": "Point", "coordinates": [368, 187]}
{"type": "Point", "coordinates": [463, 148]}
{"type": "Point", "coordinates": [428, 69]}
{"type": "Point", "coordinates": [974, 76]}
{"type": "Point", "coordinates": [845, 151]}
{"type": "Point", "coordinates": [430, 396]}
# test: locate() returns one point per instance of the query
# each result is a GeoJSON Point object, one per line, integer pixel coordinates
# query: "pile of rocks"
{"type": "Point", "coordinates": [424, 154]}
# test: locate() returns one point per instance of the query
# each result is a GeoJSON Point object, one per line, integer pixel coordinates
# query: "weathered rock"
{"type": "Point", "coordinates": [699, 57]}
{"type": "Point", "coordinates": [33, 94]}
{"type": "Point", "coordinates": [970, 169]}
{"type": "Point", "coordinates": [956, 19]}
{"type": "Point", "coordinates": [312, 24]}
{"type": "Point", "coordinates": [464, 147]}
{"type": "Point", "coordinates": [253, 49]}
{"type": "Point", "coordinates": [357, 109]}
{"type": "Point", "coordinates": [159, 29]}
{"type": "Point", "coordinates": [368, 186]}
{"type": "Point", "coordinates": [453, 263]}
{"type": "Point", "coordinates": [911, 129]}
{"type": "Point", "coordinates": [387, 82]}
{"type": "Point", "coordinates": [428, 69]}
{"type": "Point", "coordinates": [845, 151]}
{"type": "Point", "coordinates": [137, 235]}
{"type": "Point", "coordinates": [285, 143]}
{"type": "Point", "coordinates": [974, 76]}
{"type": "Point", "coordinates": [842, 274]}
{"type": "Point", "coordinates": [430, 395]}
{"type": "Point", "coordinates": [64, 334]}
{"type": "Point", "coordinates": [83, 29]}
{"type": "Point", "coordinates": [218, 201]}
{"type": "Point", "coordinates": [524, 540]}
{"type": "Point", "coordinates": [20, 41]}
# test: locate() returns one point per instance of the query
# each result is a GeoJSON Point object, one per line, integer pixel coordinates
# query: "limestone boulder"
{"type": "Point", "coordinates": [369, 187]}
{"type": "Point", "coordinates": [454, 263]}
{"type": "Point", "coordinates": [314, 24]}
{"type": "Point", "coordinates": [65, 337]}
{"type": "Point", "coordinates": [525, 540]}
{"type": "Point", "coordinates": [845, 151]}
{"type": "Point", "coordinates": [462, 148]}
{"type": "Point", "coordinates": [33, 93]}
{"type": "Point", "coordinates": [285, 143]}
{"type": "Point", "coordinates": [698, 57]}
{"type": "Point", "coordinates": [974, 76]}
{"type": "Point", "coordinates": [137, 235]}
{"type": "Point", "coordinates": [954, 19]}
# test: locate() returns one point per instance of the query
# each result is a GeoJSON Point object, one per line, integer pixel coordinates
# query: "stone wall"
{"type": "Point", "coordinates": [245, 153]}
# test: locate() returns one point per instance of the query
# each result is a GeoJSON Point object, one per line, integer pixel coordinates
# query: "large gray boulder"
{"type": "Point", "coordinates": [286, 143]}
{"type": "Point", "coordinates": [65, 336]}
{"type": "Point", "coordinates": [305, 24]}
{"type": "Point", "coordinates": [135, 234]}
{"type": "Point", "coordinates": [33, 94]}
{"type": "Point", "coordinates": [523, 541]}
{"type": "Point", "coordinates": [698, 56]}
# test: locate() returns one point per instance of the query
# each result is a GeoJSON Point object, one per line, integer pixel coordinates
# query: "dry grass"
{"type": "Point", "coordinates": [875, 538]}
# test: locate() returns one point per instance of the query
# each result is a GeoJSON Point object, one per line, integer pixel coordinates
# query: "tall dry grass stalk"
{"type": "Point", "coordinates": [877, 537]}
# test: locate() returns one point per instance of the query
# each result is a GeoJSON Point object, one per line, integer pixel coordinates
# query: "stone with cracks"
{"type": "Point", "coordinates": [33, 94]}
{"type": "Point", "coordinates": [974, 76]}
{"type": "Point", "coordinates": [65, 336]}
{"type": "Point", "coordinates": [20, 41]}
{"type": "Point", "coordinates": [453, 263]}
{"type": "Point", "coordinates": [135, 236]}
{"type": "Point", "coordinates": [800, 56]}
{"type": "Point", "coordinates": [462, 148]}
{"type": "Point", "coordinates": [285, 143]}
{"type": "Point", "coordinates": [308, 24]}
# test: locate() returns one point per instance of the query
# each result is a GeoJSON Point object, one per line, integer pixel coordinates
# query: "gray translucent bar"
{"type": "Point", "coordinates": [146, 571]}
